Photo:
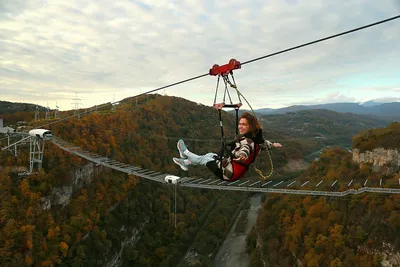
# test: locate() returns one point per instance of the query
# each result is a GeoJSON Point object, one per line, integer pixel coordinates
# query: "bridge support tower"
{"type": "Point", "coordinates": [36, 152]}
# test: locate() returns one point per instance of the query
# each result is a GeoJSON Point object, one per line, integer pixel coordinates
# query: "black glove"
{"type": "Point", "coordinates": [266, 145]}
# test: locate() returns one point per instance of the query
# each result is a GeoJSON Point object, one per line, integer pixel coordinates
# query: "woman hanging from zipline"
{"type": "Point", "coordinates": [243, 151]}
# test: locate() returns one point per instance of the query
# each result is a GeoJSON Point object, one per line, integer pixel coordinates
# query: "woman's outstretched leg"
{"type": "Point", "coordinates": [191, 158]}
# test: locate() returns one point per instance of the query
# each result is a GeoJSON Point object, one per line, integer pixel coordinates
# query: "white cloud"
{"type": "Point", "coordinates": [100, 48]}
{"type": "Point", "coordinates": [335, 97]}
{"type": "Point", "coordinates": [387, 99]}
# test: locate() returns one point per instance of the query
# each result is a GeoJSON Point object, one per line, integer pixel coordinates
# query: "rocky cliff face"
{"type": "Point", "coordinates": [62, 195]}
{"type": "Point", "coordinates": [387, 160]}
{"type": "Point", "coordinates": [390, 257]}
{"type": "Point", "coordinates": [295, 165]}
{"type": "Point", "coordinates": [132, 236]}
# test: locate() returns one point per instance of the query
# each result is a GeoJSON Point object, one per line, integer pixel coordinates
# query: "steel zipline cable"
{"type": "Point", "coordinates": [322, 39]}
{"type": "Point", "coordinates": [243, 63]}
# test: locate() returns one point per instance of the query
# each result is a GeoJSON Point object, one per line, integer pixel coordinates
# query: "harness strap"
{"type": "Point", "coordinates": [253, 154]}
{"type": "Point", "coordinates": [219, 107]}
{"type": "Point", "coordinates": [221, 152]}
{"type": "Point", "coordinates": [237, 120]}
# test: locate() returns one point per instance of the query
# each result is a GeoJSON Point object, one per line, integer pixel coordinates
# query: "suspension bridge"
{"type": "Point", "coordinates": [291, 186]}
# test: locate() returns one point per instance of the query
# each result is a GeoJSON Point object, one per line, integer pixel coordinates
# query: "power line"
{"type": "Point", "coordinates": [75, 115]}
{"type": "Point", "coordinates": [243, 63]}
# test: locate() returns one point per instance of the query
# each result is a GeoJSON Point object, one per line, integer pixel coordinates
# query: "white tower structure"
{"type": "Point", "coordinates": [37, 138]}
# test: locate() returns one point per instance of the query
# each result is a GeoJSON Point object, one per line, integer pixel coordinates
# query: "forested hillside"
{"type": "Point", "coordinates": [116, 208]}
{"type": "Point", "coordinates": [329, 127]}
{"type": "Point", "coordinates": [13, 107]}
{"type": "Point", "coordinates": [14, 112]}
{"type": "Point", "coordinates": [146, 135]}
{"type": "Point", "coordinates": [126, 219]}
{"type": "Point", "coordinates": [388, 138]}
{"type": "Point", "coordinates": [315, 231]}
{"type": "Point", "coordinates": [326, 232]}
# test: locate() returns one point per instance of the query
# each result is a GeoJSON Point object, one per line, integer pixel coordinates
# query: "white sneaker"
{"type": "Point", "coordinates": [181, 163]}
{"type": "Point", "coordinates": [181, 148]}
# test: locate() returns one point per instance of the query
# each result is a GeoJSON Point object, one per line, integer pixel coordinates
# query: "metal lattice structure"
{"type": "Point", "coordinates": [36, 149]}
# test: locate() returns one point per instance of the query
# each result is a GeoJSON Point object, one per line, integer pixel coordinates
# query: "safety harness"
{"type": "Point", "coordinates": [240, 168]}
{"type": "Point", "coordinates": [224, 71]}
{"type": "Point", "coordinates": [226, 148]}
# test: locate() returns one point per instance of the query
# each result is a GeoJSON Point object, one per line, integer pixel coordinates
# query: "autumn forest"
{"type": "Point", "coordinates": [112, 218]}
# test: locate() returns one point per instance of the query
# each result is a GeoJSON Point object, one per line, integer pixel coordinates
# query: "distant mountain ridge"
{"type": "Point", "coordinates": [388, 110]}
{"type": "Point", "coordinates": [13, 107]}
{"type": "Point", "coordinates": [371, 103]}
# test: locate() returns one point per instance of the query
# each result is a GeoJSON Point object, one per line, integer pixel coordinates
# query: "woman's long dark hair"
{"type": "Point", "coordinates": [254, 124]}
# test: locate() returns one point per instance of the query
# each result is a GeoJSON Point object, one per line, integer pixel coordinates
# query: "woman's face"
{"type": "Point", "coordinates": [243, 126]}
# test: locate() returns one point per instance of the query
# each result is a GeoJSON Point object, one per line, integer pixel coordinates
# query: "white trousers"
{"type": "Point", "coordinates": [200, 159]}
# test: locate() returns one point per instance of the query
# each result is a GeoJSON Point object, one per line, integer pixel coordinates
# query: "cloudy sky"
{"type": "Point", "coordinates": [54, 51]}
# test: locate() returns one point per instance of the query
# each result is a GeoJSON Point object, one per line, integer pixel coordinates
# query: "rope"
{"type": "Point", "coordinates": [269, 154]}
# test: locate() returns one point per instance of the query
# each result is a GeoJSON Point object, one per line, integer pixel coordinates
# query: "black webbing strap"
{"type": "Point", "coordinates": [224, 149]}
{"type": "Point", "coordinates": [221, 152]}
{"type": "Point", "coordinates": [237, 120]}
